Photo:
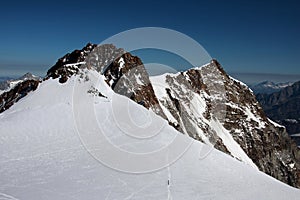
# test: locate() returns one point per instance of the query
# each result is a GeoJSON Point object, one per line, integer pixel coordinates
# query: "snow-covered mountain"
{"type": "Point", "coordinates": [8, 83]}
{"type": "Point", "coordinates": [43, 156]}
{"type": "Point", "coordinates": [209, 106]}
{"type": "Point", "coordinates": [13, 90]}
{"type": "Point", "coordinates": [50, 137]}
{"type": "Point", "coordinates": [268, 87]}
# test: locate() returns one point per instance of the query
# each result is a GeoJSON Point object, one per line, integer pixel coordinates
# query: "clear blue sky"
{"type": "Point", "coordinates": [245, 36]}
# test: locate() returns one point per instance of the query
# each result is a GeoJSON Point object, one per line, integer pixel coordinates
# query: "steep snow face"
{"type": "Point", "coordinates": [43, 153]}
{"type": "Point", "coordinates": [197, 110]}
{"type": "Point", "coordinates": [210, 106]}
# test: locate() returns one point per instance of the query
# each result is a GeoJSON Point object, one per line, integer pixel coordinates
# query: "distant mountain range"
{"type": "Point", "coordinates": [284, 107]}
{"type": "Point", "coordinates": [5, 78]}
{"type": "Point", "coordinates": [268, 87]}
{"type": "Point", "coordinates": [7, 83]}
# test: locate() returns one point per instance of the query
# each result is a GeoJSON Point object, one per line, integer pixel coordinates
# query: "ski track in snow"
{"type": "Point", "coordinates": [7, 197]}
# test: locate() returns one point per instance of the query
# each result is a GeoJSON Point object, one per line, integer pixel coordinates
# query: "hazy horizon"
{"type": "Point", "coordinates": [246, 37]}
{"type": "Point", "coordinates": [247, 78]}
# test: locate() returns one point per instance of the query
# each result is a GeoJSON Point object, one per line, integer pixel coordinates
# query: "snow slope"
{"type": "Point", "coordinates": [43, 154]}
{"type": "Point", "coordinates": [196, 105]}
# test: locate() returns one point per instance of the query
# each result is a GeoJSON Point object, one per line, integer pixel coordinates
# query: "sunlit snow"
{"type": "Point", "coordinates": [42, 155]}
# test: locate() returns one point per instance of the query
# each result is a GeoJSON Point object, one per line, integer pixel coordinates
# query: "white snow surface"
{"type": "Point", "coordinates": [121, 62]}
{"type": "Point", "coordinates": [74, 64]}
{"type": "Point", "coordinates": [42, 155]}
{"type": "Point", "coordinates": [275, 124]}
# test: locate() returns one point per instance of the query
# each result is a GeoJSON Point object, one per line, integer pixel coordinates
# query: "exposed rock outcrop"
{"type": "Point", "coordinates": [7, 99]}
{"type": "Point", "coordinates": [69, 64]}
{"type": "Point", "coordinates": [15, 89]}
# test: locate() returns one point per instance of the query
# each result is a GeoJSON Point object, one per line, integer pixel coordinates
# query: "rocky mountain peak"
{"type": "Point", "coordinates": [69, 63]}
{"type": "Point", "coordinates": [204, 103]}
{"type": "Point", "coordinates": [28, 75]}
{"type": "Point", "coordinates": [125, 74]}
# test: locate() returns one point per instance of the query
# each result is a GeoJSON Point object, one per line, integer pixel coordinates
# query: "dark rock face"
{"type": "Point", "coordinates": [24, 85]}
{"type": "Point", "coordinates": [7, 99]}
{"type": "Point", "coordinates": [128, 76]}
{"type": "Point", "coordinates": [284, 107]}
{"type": "Point", "coordinates": [270, 147]}
{"type": "Point", "coordinates": [68, 65]}
{"type": "Point", "coordinates": [125, 74]}
{"type": "Point", "coordinates": [6, 84]}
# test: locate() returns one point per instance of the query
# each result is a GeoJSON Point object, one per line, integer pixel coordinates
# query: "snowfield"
{"type": "Point", "coordinates": [43, 154]}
